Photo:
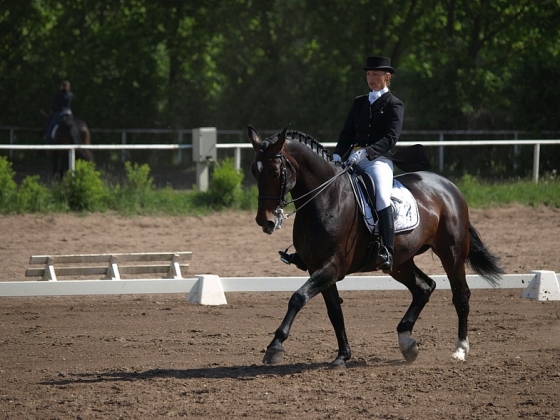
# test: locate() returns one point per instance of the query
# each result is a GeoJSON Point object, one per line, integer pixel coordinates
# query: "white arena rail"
{"type": "Point", "coordinates": [210, 289]}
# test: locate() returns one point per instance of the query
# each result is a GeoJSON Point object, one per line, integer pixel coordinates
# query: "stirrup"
{"type": "Point", "coordinates": [387, 264]}
{"type": "Point", "coordinates": [292, 259]}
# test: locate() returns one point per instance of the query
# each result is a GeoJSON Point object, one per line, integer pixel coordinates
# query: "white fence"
{"type": "Point", "coordinates": [238, 147]}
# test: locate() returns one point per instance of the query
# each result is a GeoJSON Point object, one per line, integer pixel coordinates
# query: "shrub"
{"type": "Point", "coordinates": [83, 189]}
{"type": "Point", "coordinates": [136, 194]}
{"type": "Point", "coordinates": [32, 196]}
{"type": "Point", "coordinates": [225, 187]}
{"type": "Point", "coordinates": [8, 187]}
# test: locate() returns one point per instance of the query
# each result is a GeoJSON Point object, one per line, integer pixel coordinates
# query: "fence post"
{"type": "Point", "coordinates": [536, 158]}
{"type": "Point", "coordinates": [123, 141]}
{"type": "Point", "coordinates": [180, 151]}
{"type": "Point", "coordinates": [204, 141]}
{"type": "Point", "coordinates": [441, 135]}
{"type": "Point", "coordinates": [71, 159]}
{"type": "Point", "coordinates": [237, 158]}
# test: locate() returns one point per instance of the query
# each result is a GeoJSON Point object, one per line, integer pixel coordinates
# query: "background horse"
{"type": "Point", "coordinates": [331, 237]}
{"type": "Point", "coordinates": [69, 130]}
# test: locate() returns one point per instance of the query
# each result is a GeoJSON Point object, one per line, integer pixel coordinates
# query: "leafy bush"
{"type": "Point", "coordinates": [8, 187]}
{"type": "Point", "coordinates": [83, 189]}
{"type": "Point", "coordinates": [225, 187]}
{"type": "Point", "coordinates": [32, 197]}
{"type": "Point", "coordinates": [136, 194]}
{"type": "Point", "coordinates": [137, 177]}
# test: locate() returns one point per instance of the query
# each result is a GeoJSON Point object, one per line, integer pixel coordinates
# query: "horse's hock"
{"type": "Point", "coordinates": [111, 266]}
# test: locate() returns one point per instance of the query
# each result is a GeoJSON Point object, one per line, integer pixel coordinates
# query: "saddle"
{"type": "Point", "coordinates": [405, 208]}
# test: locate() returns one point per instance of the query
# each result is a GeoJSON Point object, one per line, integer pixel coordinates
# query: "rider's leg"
{"type": "Point", "coordinates": [387, 233]}
{"type": "Point", "coordinates": [381, 170]}
{"type": "Point", "coordinates": [52, 122]}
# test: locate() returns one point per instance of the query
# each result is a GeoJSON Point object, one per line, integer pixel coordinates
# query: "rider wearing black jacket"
{"type": "Point", "coordinates": [61, 106]}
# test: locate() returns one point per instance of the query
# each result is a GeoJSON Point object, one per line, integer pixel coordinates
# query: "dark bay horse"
{"type": "Point", "coordinates": [69, 130]}
{"type": "Point", "coordinates": [331, 237]}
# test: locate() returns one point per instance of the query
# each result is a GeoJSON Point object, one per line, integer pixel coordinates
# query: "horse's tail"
{"type": "Point", "coordinates": [482, 260]}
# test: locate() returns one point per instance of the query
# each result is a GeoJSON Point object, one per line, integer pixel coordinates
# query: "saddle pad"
{"type": "Point", "coordinates": [404, 206]}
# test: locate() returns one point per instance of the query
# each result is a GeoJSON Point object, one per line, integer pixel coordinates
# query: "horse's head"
{"type": "Point", "coordinates": [270, 169]}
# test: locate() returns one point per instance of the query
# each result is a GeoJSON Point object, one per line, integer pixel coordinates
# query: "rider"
{"type": "Point", "coordinates": [372, 128]}
{"type": "Point", "coordinates": [60, 107]}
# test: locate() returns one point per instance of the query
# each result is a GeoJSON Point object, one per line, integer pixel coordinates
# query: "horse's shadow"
{"type": "Point", "coordinates": [219, 372]}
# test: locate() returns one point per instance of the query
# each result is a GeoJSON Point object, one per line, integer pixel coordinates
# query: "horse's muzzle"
{"type": "Point", "coordinates": [268, 226]}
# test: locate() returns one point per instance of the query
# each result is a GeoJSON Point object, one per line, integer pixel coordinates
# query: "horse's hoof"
{"type": "Point", "coordinates": [461, 350]}
{"type": "Point", "coordinates": [273, 355]}
{"type": "Point", "coordinates": [338, 364]}
{"type": "Point", "coordinates": [408, 346]}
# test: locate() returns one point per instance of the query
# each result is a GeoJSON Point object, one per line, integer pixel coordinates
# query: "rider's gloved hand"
{"type": "Point", "coordinates": [355, 157]}
{"type": "Point", "coordinates": [336, 158]}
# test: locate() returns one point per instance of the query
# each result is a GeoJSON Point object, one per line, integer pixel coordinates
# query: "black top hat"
{"type": "Point", "coordinates": [379, 63]}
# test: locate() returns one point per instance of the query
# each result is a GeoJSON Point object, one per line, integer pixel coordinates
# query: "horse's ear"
{"type": "Point", "coordinates": [254, 138]}
{"type": "Point", "coordinates": [279, 143]}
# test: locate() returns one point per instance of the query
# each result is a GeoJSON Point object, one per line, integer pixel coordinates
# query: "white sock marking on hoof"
{"type": "Point", "coordinates": [461, 350]}
{"type": "Point", "coordinates": [405, 341]}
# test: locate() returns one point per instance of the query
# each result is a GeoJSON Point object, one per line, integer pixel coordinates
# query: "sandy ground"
{"type": "Point", "coordinates": [157, 356]}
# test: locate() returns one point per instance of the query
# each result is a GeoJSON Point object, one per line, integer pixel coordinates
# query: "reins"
{"type": "Point", "coordinates": [279, 212]}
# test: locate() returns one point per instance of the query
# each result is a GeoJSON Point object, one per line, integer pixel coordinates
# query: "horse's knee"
{"type": "Point", "coordinates": [297, 301]}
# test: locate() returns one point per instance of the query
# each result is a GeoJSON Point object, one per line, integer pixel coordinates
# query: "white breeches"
{"type": "Point", "coordinates": [381, 170]}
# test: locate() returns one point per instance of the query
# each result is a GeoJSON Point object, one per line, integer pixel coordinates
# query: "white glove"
{"type": "Point", "coordinates": [355, 157]}
{"type": "Point", "coordinates": [336, 158]}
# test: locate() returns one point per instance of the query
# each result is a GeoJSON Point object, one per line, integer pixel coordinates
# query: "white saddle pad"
{"type": "Point", "coordinates": [404, 206]}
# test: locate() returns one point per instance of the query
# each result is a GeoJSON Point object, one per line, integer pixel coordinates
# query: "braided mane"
{"type": "Point", "coordinates": [302, 138]}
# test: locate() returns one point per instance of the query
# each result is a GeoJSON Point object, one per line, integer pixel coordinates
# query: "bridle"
{"type": "Point", "coordinates": [282, 202]}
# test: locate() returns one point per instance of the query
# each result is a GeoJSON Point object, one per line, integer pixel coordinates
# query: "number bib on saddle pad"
{"type": "Point", "coordinates": [404, 205]}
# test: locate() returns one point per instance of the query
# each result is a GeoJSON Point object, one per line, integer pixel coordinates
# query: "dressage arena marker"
{"type": "Point", "coordinates": [210, 289]}
{"type": "Point", "coordinates": [207, 290]}
{"type": "Point", "coordinates": [544, 286]}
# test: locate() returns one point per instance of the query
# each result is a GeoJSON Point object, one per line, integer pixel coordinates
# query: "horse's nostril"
{"type": "Point", "coordinates": [268, 227]}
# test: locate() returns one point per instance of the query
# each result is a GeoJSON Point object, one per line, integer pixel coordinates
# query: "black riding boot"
{"type": "Point", "coordinates": [292, 259]}
{"type": "Point", "coordinates": [387, 232]}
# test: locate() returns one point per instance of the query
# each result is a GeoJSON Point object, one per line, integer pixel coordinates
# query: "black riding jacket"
{"type": "Point", "coordinates": [376, 127]}
{"type": "Point", "coordinates": [62, 101]}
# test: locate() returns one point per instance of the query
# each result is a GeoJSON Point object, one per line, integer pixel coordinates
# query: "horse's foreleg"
{"type": "Point", "coordinates": [421, 286]}
{"type": "Point", "coordinates": [317, 283]}
{"type": "Point", "coordinates": [275, 351]}
{"type": "Point", "coordinates": [334, 310]}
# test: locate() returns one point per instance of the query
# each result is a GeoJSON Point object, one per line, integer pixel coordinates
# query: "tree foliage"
{"type": "Point", "coordinates": [471, 64]}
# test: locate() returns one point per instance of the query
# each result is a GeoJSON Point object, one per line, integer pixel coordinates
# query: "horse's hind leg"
{"type": "Point", "coordinates": [334, 310]}
{"type": "Point", "coordinates": [421, 286]}
{"type": "Point", "coordinates": [453, 261]}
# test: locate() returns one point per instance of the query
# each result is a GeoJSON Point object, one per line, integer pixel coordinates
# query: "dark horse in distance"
{"type": "Point", "coordinates": [331, 237]}
{"type": "Point", "coordinates": [69, 130]}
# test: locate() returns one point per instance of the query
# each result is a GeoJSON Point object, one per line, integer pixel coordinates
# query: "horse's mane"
{"type": "Point", "coordinates": [302, 138]}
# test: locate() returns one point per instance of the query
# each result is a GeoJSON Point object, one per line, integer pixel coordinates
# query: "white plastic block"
{"type": "Point", "coordinates": [544, 286]}
{"type": "Point", "coordinates": [208, 290]}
